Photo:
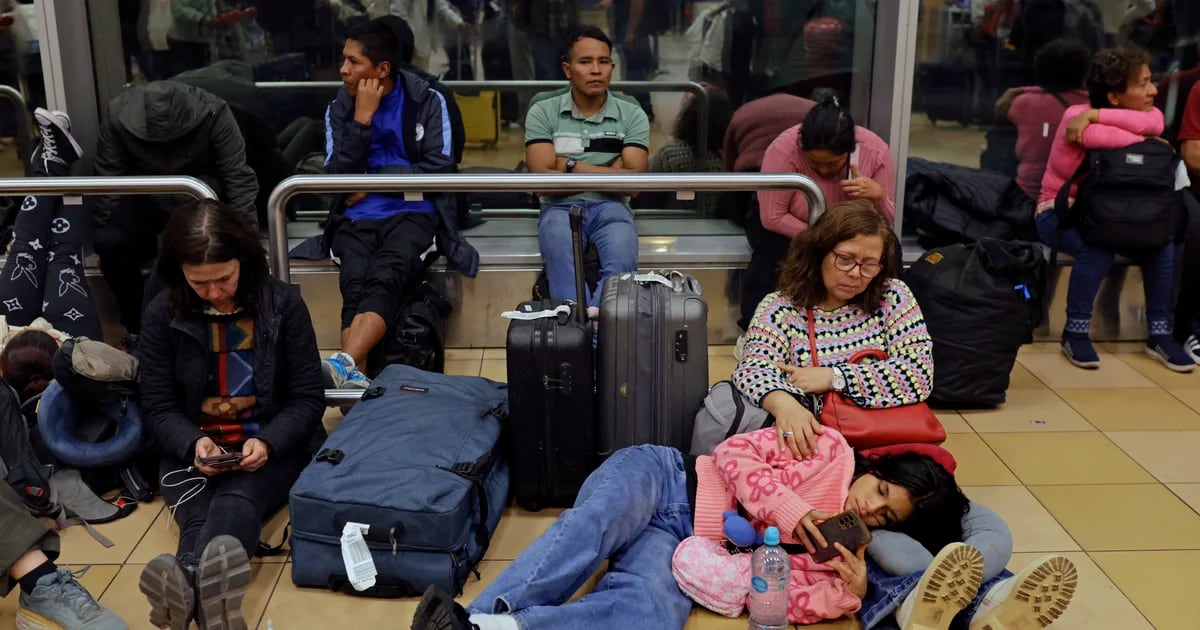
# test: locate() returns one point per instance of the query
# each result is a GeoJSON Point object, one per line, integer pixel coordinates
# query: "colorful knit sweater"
{"type": "Point", "coordinates": [779, 334]}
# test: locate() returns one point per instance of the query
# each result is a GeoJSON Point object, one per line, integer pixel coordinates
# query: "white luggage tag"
{"type": "Point", "coordinates": [360, 566]}
{"type": "Point", "coordinates": [562, 309]}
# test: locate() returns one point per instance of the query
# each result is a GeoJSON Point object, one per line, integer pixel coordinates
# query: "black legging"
{"type": "Point", "coordinates": [44, 274]}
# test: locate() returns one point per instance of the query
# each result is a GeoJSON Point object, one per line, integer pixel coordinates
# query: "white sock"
{"type": "Point", "coordinates": [904, 611]}
{"type": "Point", "coordinates": [998, 593]}
{"type": "Point", "coordinates": [494, 622]}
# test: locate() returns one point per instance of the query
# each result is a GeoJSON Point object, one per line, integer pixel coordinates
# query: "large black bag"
{"type": "Point", "coordinates": [981, 301]}
{"type": "Point", "coordinates": [418, 336]}
{"type": "Point", "coordinates": [1126, 198]}
{"type": "Point", "coordinates": [947, 90]}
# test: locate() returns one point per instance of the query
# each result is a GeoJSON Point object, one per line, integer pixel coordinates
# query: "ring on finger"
{"type": "Point", "coordinates": [787, 434]}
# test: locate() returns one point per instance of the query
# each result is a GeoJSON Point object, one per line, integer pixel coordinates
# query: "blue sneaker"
{"type": "Point", "coordinates": [1079, 351]}
{"type": "Point", "coordinates": [1169, 353]}
{"type": "Point", "coordinates": [342, 373]}
{"type": "Point", "coordinates": [59, 601]}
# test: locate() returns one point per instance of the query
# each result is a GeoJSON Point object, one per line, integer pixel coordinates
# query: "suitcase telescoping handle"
{"type": "Point", "coordinates": [576, 213]}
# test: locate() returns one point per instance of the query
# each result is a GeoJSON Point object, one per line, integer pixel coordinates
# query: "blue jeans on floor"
{"type": "Point", "coordinates": [607, 224]}
{"type": "Point", "coordinates": [1092, 265]}
{"type": "Point", "coordinates": [633, 511]}
{"type": "Point", "coordinates": [886, 592]}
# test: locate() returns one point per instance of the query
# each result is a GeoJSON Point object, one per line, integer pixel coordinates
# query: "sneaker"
{"type": "Point", "coordinates": [1034, 598]}
{"type": "Point", "coordinates": [1170, 353]}
{"type": "Point", "coordinates": [341, 373]}
{"type": "Point", "coordinates": [57, 145]}
{"type": "Point", "coordinates": [1079, 351]}
{"type": "Point", "coordinates": [439, 611]}
{"type": "Point", "coordinates": [947, 586]}
{"type": "Point", "coordinates": [1192, 347]}
{"type": "Point", "coordinates": [169, 590]}
{"type": "Point", "coordinates": [59, 601]}
{"type": "Point", "coordinates": [221, 582]}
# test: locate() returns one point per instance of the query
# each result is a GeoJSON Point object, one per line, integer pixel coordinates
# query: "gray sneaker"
{"type": "Point", "coordinates": [59, 601]}
{"type": "Point", "coordinates": [221, 582]}
{"type": "Point", "coordinates": [169, 591]}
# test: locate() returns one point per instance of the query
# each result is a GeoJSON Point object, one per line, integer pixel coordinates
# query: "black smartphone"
{"type": "Point", "coordinates": [223, 460]}
{"type": "Point", "coordinates": [846, 528]}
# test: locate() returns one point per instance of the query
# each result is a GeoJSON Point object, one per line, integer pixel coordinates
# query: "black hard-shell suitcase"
{"type": "Point", "coordinates": [551, 390]}
{"type": "Point", "coordinates": [948, 90]}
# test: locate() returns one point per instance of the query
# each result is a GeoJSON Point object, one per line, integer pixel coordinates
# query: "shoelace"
{"type": "Point", "coordinates": [73, 594]}
{"type": "Point", "coordinates": [49, 147]}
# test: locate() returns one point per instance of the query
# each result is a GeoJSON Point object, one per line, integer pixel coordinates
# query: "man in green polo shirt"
{"type": "Point", "coordinates": [587, 130]}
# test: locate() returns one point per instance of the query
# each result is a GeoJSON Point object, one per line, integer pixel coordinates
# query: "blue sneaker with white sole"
{"type": "Point", "coordinates": [1079, 351]}
{"type": "Point", "coordinates": [342, 373]}
{"type": "Point", "coordinates": [1167, 351]}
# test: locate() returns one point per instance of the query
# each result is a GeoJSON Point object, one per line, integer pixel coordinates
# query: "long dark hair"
{"type": "Point", "coordinates": [206, 231]}
{"type": "Point", "coordinates": [1111, 71]}
{"type": "Point", "coordinates": [800, 273]}
{"type": "Point", "coordinates": [828, 126]}
{"type": "Point", "coordinates": [938, 503]}
{"type": "Point", "coordinates": [720, 112]}
{"type": "Point", "coordinates": [26, 362]}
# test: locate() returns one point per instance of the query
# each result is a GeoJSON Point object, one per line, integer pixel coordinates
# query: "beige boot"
{"type": "Point", "coordinates": [948, 585]}
{"type": "Point", "coordinates": [1033, 598]}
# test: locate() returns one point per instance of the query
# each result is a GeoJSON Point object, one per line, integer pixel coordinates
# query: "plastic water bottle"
{"type": "Point", "coordinates": [770, 572]}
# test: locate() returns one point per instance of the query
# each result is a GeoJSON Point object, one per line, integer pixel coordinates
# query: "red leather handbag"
{"type": "Point", "coordinates": [870, 428]}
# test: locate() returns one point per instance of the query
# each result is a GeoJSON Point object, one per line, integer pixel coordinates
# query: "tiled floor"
{"type": "Point", "coordinates": [1097, 465]}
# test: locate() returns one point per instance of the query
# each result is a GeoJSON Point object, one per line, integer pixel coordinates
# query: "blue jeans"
{"type": "Point", "coordinates": [886, 592]}
{"type": "Point", "coordinates": [607, 224]}
{"type": "Point", "coordinates": [634, 511]}
{"type": "Point", "coordinates": [1092, 265]}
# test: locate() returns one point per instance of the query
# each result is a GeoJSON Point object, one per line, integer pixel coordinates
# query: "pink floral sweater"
{"type": "Point", "coordinates": [777, 489]}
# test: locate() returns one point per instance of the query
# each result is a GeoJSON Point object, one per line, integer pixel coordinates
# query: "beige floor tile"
{"type": "Point", "coordinates": [1159, 373]}
{"type": "Point", "coordinates": [1033, 528]}
{"type": "Point", "coordinates": [494, 353]}
{"type": "Point", "coordinates": [1189, 492]}
{"type": "Point", "coordinates": [1122, 347]}
{"type": "Point", "coordinates": [1027, 410]}
{"type": "Point", "coordinates": [1161, 584]}
{"type": "Point", "coordinates": [1168, 455]}
{"type": "Point", "coordinates": [952, 421]}
{"type": "Point", "coordinates": [97, 578]}
{"type": "Point", "coordinates": [1188, 396]}
{"type": "Point", "coordinates": [1098, 604]}
{"type": "Point", "coordinates": [1131, 409]}
{"type": "Point", "coordinates": [720, 351]}
{"type": "Point", "coordinates": [79, 548]}
{"type": "Point", "coordinates": [1065, 458]}
{"type": "Point", "coordinates": [517, 529]}
{"type": "Point", "coordinates": [1140, 517]}
{"type": "Point", "coordinates": [1041, 347]}
{"type": "Point", "coordinates": [1022, 378]}
{"type": "Point", "coordinates": [332, 418]}
{"type": "Point", "coordinates": [495, 369]}
{"type": "Point", "coordinates": [124, 598]}
{"type": "Point", "coordinates": [464, 354]}
{"type": "Point", "coordinates": [720, 368]}
{"type": "Point", "coordinates": [463, 367]}
{"type": "Point", "coordinates": [1053, 369]}
{"type": "Point", "coordinates": [977, 464]}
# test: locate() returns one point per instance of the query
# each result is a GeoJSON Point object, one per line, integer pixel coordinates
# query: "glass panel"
{"type": "Point", "coordinates": [20, 69]}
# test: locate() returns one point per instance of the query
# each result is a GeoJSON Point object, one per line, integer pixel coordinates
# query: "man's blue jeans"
{"type": "Point", "coordinates": [886, 592]}
{"type": "Point", "coordinates": [633, 511]}
{"type": "Point", "coordinates": [606, 224]}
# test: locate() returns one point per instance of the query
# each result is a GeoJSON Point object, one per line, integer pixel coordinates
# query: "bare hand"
{"type": "Point", "coordinates": [1004, 103]}
{"type": "Point", "coordinates": [852, 568]}
{"type": "Point", "coordinates": [366, 102]}
{"type": "Point", "coordinates": [254, 455]}
{"type": "Point", "coordinates": [797, 431]}
{"type": "Point", "coordinates": [1080, 123]}
{"type": "Point", "coordinates": [810, 380]}
{"type": "Point", "coordinates": [862, 187]}
{"type": "Point", "coordinates": [205, 447]}
{"type": "Point", "coordinates": [354, 198]}
{"type": "Point", "coordinates": [807, 532]}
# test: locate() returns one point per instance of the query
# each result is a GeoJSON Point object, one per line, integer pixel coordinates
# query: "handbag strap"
{"type": "Point", "coordinates": [812, 337]}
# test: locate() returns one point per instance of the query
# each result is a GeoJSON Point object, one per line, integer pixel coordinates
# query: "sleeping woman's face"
{"type": "Point", "coordinates": [879, 503]}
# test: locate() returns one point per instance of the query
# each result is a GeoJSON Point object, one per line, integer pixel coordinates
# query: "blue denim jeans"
{"type": "Point", "coordinates": [607, 224]}
{"type": "Point", "coordinates": [633, 511]}
{"type": "Point", "coordinates": [886, 592]}
{"type": "Point", "coordinates": [1092, 265]}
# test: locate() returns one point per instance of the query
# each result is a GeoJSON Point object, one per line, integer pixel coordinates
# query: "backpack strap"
{"type": "Point", "coordinates": [476, 472]}
{"type": "Point", "coordinates": [1061, 101]}
{"type": "Point", "coordinates": [1061, 200]}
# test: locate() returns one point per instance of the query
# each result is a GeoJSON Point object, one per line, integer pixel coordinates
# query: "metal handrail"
{"type": "Point", "coordinates": [24, 125]}
{"type": "Point", "coordinates": [69, 187]}
{"type": "Point", "coordinates": [691, 87]}
{"type": "Point", "coordinates": [510, 182]}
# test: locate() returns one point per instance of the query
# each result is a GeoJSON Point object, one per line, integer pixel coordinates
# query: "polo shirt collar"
{"type": "Point", "coordinates": [608, 111]}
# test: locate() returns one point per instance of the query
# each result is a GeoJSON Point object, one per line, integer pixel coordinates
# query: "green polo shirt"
{"type": "Point", "coordinates": [597, 140]}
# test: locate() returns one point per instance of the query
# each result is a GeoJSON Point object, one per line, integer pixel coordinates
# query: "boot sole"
{"type": "Point", "coordinates": [169, 593]}
{"type": "Point", "coordinates": [948, 586]}
{"type": "Point", "coordinates": [431, 613]}
{"type": "Point", "coordinates": [222, 580]}
{"type": "Point", "coordinates": [1183, 369]}
{"type": "Point", "coordinates": [1041, 594]}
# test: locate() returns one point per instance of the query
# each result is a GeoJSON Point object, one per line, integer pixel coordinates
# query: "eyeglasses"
{"type": "Point", "coordinates": [847, 263]}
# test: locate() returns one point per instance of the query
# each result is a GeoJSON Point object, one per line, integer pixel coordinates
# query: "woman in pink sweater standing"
{"type": "Point", "coordinates": [846, 162]}
{"type": "Point", "coordinates": [1121, 113]}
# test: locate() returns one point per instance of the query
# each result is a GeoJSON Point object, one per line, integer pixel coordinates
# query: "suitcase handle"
{"type": "Point", "coordinates": [576, 213]}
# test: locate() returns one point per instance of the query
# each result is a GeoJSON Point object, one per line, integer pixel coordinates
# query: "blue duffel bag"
{"type": "Point", "coordinates": [417, 464]}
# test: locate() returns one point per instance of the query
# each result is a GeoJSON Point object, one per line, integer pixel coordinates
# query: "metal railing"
{"type": "Point", "coordinates": [691, 87]}
{"type": "Point", "coordinates": [73, 189]}
{"type": "Point", "coordinates": [24, 125]}
{"type": "Point", "coordinates": [414, 186]}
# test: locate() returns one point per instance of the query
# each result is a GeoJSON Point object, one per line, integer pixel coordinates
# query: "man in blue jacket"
{"type": "Point", "coordinates": [384, 120]}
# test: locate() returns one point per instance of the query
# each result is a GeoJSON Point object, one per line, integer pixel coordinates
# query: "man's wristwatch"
{"type": "Point", "coordinates": [839, 380]}
{"type": "Point", "coordinates": [571, 162]}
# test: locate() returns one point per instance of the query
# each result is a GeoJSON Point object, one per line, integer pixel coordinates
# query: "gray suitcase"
{"type": "Point", "coordinates": [652, 361]}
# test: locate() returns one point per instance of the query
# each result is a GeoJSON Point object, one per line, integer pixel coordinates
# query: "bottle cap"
{"type": "Point", "coordinates": [772, 536]}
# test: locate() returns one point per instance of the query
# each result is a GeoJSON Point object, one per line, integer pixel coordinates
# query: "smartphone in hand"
{"type": "Point", "coordinates": [846, 528]}
{"type": "Point", "coordinates": [224, 460]}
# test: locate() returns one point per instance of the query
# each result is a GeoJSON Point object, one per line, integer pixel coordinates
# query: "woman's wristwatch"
{"type": "Point", "coordinates": [839, 380]}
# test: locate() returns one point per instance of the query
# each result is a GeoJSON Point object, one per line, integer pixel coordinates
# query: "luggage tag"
{"type": "Point", "coordinates": [360, 566]}
{"type": "Point", "coordinates": [561, 309]}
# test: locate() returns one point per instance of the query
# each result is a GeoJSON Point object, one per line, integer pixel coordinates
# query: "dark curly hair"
{"type": "Point", "coordinates": [800, 273]}
{"type": "Point", "coordinates": [206, 231]}
{"type": "Point", "coordinates": [1062, 65]}
{"type": "Point", "coordinates": [26, 362]}
{"type": "Point", "coordinates": [720, 112]}
{"type": "Point", "coordinates": [938, 503]}
{"type": "Point", "coordinates": [1112, 70]}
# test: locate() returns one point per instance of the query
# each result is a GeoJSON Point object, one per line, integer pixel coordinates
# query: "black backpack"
{"type": "Point", "coordinates": [18, 462]}
{"type": "Point", "coordinates": [1126, 198]}
{"type": "Point", "coordinates": [418, 336]}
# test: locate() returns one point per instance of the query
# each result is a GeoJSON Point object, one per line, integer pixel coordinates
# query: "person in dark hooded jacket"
{"type": "Point", "coordinates": [162, 128]}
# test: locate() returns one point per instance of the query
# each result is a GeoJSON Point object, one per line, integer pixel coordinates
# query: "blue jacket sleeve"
{"type": "Point", "coordinates": [347, 145]}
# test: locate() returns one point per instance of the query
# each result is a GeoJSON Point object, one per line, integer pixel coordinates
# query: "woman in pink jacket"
{"type": "Point", "coordinates": [1121, 113]}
